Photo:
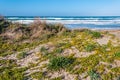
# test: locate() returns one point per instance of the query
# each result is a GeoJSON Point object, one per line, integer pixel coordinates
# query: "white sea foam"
{"type": "Point", "coordinates": [23, 21]}
{"type": "Point", "coordinates": [75, 22]}
{"type": "Point", "coordinates": [12, 18]}
{"type": "Point", "coordinates": [96, 22]}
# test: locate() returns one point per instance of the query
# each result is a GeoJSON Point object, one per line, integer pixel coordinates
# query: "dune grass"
{"type": "Point", "coordinates": [58, 63]}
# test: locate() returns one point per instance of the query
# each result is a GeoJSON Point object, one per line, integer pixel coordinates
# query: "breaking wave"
{"type": "Point", "coordinates": [89, 22]}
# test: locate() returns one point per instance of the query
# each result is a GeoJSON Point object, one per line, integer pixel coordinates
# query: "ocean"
{"type": "Point", "coordinates": [74, 22]}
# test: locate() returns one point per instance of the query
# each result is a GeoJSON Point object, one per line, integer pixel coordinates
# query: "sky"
{"type": "Point", "coordinates": [60, 7]}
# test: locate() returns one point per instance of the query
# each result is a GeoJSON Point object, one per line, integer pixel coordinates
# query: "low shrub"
{"type": "Point", "coordinates": [59, 50]}
{"type": "Point", "coordinates": [21, 55]}
{"type": "Point", "coordinates": [117, 54]}
{"type": "Point", "coordinates": [94, 34]}
{"type": "Point", "coordinates": [44, 50]}
{"type": "Point", "coordinates": [93, 75]}
{"type": "Point", "coordinates": [90, 47]}
{"type": "Point", "coordinates": [58, 63]}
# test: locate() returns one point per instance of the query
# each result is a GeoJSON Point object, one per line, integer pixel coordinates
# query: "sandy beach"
{"type": "Point", "coordinates": [53, 52]}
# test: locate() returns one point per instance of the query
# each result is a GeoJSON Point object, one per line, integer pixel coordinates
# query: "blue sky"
{"type": "Point", "coordinates": [60, 7]}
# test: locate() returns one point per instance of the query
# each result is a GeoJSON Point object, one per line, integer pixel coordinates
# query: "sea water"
{"type": "Point", "coordinates": [74, 22]}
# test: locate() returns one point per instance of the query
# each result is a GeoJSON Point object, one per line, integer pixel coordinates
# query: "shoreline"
{"type": "Point", "coordinates": [96, 29]}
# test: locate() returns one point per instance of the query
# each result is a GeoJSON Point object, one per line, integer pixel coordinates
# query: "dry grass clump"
{"type": "Point", "coordinates": [39, 28]}
{"type": "Point", "coordinates": [36, 30]}
{"type": "Point", "coordinates": [18, 36]}
{"type": "Point", "coordinates": [1, 17]}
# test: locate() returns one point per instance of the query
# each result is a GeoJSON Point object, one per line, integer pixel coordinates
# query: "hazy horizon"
{"type": "Point", "coordinates": [60, 15]}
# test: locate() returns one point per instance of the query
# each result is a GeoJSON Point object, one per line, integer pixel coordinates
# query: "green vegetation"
{"type": "Point", "coordinates": [58, 63]}
{"type": "Point", "coordinates": [7, 63]}
{"type": "Point", "coordinates": [12, 74]}
{"type": "Point", "coordinates": [59, 50]}
{"type": "Point", "coordinates": [37, 75]}
{"type": "Point", "coordinates": [90, 47]}
{"type": "Point", "coordinates": [94, 34]}
{"type": "Point", "coordinates": [93, 75]}
{"type": "Point", "coordinates": [43, 49]}
{"type": "Point", "coordinates": [117, 54]}
{"type": "Point", "coordinates": [21, 55]}
{"type": "Point", "coordinates": [9, 70]}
